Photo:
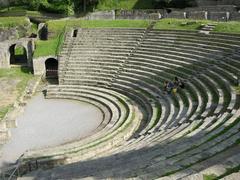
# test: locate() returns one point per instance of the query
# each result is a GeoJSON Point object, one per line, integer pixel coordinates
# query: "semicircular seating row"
{"type": "Point", "coordinates": [145, 132]}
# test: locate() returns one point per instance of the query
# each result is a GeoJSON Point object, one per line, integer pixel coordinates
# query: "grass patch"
{"type": "Point", "coordinates": [209, 177]}
{"type": "Point", "coordinates": [8, 22]}
{"type": "Point", "coordinates": [237, 88]}
{"type": "Point", "coordinates": [125, 4]}
{"type": "Point", "coordinates": [24, 75]}
{"type": "Point", "coordinates": [46, 48]}
{"type": "Point", "coordinates": [228, 27]}
{"type": "Point", "coordinates": [180, 24]}
{"type": "Point", "coordinates": [19, 51]}
{"type": "Point", "coordinates": [190, 24]}
{"type": "Point", "coordinates": [3, 111]}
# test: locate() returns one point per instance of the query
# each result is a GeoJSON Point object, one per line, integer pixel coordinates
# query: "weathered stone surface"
{"type": "Point", "coordinates": [27, 43]}
{"type": "Point", "coordinates": [39, 65]}
{"type": "Point", "coordinates": [42, 31]}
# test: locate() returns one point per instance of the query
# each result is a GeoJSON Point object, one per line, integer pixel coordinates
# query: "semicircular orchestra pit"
{"type": "Point", "coordinates": [48, 123]}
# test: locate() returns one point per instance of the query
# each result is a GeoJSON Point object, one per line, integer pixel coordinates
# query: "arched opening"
{"type": "Point", "coordinates": [51, 66]}
{"type": "Point", "coordinates": [75, 32]}
{"type": "Point", "coordinates": [18, 55]}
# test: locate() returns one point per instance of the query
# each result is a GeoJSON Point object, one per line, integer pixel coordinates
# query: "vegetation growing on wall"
{"type": "Point", "coordinates": [228, 27]}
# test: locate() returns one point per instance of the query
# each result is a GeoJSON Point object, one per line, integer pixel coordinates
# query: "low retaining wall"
{"type": "Point", "coordinates": [139, 14]}
{"type": "Point", "coordinates": [108, 15]}
{"type": "Point", "coordinates": [218, 16]}
{"type": "Point", "coordinates": [235, 16]}
{"type": "Point", "coordinates": [197, 15]}
{"type": "Point", "coordinates": [39, 65]}
{"type": "Point", "coordinates": [217, 13]}
{"type": "Point", "coordinates": [8, 34]}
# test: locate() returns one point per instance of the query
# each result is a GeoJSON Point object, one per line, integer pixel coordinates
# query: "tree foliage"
{"type": "Point", "coordinates": [175, 3]}
{"type": "Point", "coordinates": [70, 6]}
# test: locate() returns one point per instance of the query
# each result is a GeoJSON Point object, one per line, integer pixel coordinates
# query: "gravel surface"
{"type": "Point", "coordinates": [48, 122]}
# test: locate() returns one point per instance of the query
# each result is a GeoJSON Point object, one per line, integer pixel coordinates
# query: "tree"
{"type": "Point", "coordinates": [84, 5]}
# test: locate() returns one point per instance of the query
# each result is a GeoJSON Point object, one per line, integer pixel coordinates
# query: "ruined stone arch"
{"type": "Point", "coordinates": [7, 52]}
{"type": "Point", "coordinates": [18, 54]}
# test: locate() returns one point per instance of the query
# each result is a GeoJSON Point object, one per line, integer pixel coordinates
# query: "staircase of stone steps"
{"type": "Point", "coordinates": [206, 29]}
{"type": "Point", "coordinates": [138, 44]}
{"type": "Point", "coordinates": [64, 59]}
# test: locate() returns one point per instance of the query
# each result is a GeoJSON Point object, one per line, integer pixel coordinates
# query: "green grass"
{"type": "Point", "coordinates": [209, 177]}
{"type": "Point", "coordinates": [228, 27]}
{"type": "Point", "coordinates": [189, 24]}
{"type": "Point", "coordinates": [237, 88]}
{"type": "Point", "coordinates": [3, 111]}
{"type": "Point", "coordinates": [13, 21]}
{"type": "Point", "coordinates": [125, 4]}
{"type": "Point", "coordinates": [24, 75]}
{"type": "Point", "coordinates": [180, 24]}
{"type": "Point", "coordinates": [13, 11]}
{"type": "Point", "coordinates": [19, 51]}
{"type": "Point", "coordinates": [46, 48]}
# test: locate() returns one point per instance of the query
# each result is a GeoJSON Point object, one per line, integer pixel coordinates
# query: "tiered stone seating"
{"type": "Point", "coordinates": [145, 132]}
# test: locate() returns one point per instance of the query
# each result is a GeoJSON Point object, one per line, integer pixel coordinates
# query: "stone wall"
{"type": "Point", "coordinates": [39, 65]}
{"type": "Point", "coordinates": [235, 16]}
{"type": "Point", "coordinates": [8, 34]}
{"type": "Point", "coordinates": [110, 15]}
{"type": "Point", "coordinates": [230, 8]}
{"type": "Point", "coordinates": [139, 14]}
{"type": "Point", "coordinates": [217, 2]}
{"type": "Point", "coordinates": [217, 16]}
{"type": "Point", "coordinates": [175, 14]}
{"type": "Point", "coordinates": [197, 15]}
{"type": "Point", "coordinates": [216, 13]}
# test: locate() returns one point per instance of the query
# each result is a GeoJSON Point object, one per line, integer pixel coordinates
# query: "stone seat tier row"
{"type": "Point", "coordinates": [154, 160]}
{"type": "Point", "coordinates": [96, 75]}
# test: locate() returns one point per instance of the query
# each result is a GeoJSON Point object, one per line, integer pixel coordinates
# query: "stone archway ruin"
{"type": "Point", "coordinates": [18, 55]}
{"type": "Point", "coordinates": [7, 50]}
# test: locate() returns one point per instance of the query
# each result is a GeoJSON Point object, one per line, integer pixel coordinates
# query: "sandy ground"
{"type": "Point", "coordinates": [49, 123]}
{"type": "Point", "coordinates": [8, 91]}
